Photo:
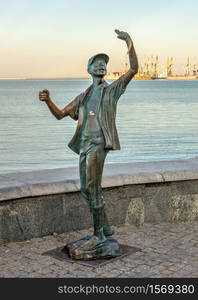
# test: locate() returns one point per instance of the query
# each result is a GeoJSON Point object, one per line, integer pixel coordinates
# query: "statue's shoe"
{"type": "Point", "coordinates": [108, 231]}
{"type": "Point", "coordinates": [93, 243]}
{"type": "Point", "coordinates": [94, 248]}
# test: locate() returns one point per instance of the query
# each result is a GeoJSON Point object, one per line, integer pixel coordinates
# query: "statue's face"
{"type": "Point", "coordinates": [98, 67]}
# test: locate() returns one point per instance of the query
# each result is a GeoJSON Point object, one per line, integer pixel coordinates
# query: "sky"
{"type": "Point", "coordinates": [56, 38]}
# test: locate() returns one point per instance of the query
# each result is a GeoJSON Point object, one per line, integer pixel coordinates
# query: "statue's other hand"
{"type": "Point", "coordinates": [44, 95]}
{"type": "Point", "coordinates": [122, 35]}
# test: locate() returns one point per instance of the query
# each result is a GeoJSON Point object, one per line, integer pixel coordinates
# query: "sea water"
{"type": "Point", "coordinates": [156, 120]}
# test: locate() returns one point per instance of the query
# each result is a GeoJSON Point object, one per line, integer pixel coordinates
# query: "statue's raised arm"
{"type": "Point", "coordinates": [133, 62]}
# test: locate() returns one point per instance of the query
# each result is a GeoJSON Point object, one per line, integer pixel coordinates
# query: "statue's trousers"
{"type": "Point", "coordinates": [92, 157]}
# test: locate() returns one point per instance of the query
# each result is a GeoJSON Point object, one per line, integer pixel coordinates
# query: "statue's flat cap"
{"type": "Point", "coordinates": [99, 55]}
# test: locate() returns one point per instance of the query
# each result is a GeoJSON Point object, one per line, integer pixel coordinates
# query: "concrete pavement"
{"type": "Point", "coordinates": [167, 250]}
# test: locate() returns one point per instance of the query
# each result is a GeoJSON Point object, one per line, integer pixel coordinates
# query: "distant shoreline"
{"type": "Point", "coordinates": [55, 78]}
{"type": "Point", "coordinates": [179, 78]}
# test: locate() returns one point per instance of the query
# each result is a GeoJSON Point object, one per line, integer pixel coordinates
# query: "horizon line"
{"type": "Point", "coordinates": [30, 78]}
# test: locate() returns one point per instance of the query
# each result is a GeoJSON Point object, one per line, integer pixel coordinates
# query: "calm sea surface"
{"type": "Point", "coordinates": [156, 120]}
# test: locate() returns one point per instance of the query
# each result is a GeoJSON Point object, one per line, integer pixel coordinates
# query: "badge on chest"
{"type": "Point", "coordinates": [92, 113]}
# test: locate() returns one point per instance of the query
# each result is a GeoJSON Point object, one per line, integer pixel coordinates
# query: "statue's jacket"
{"type": "Point", "coordinates": [110, 93]}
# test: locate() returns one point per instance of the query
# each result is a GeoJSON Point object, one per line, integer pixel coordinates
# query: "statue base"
{"type": "Point", "coordinates": [61, 254]}
{"type": "Point", "coordinates": [91, 248]}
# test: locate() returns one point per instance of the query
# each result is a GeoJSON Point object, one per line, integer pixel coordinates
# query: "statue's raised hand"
{"type": "Point", "coordinates": [44, 95]}
{"type": "Point", "coordinates": [124, 36]}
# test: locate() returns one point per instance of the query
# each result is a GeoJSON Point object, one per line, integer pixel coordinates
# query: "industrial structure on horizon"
{"type": "Point", "coordinates": [149, 69]}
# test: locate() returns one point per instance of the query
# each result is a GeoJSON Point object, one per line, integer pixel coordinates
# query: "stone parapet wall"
{"type": "Point", "coordinates": [39, 203]}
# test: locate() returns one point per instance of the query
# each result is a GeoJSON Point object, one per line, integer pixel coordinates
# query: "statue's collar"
{"type": "Point", "coordinates": [102, 85]}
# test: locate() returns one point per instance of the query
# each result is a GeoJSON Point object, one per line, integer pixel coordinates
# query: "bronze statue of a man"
{"type": "Point", "coordinates": [96, 134]}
